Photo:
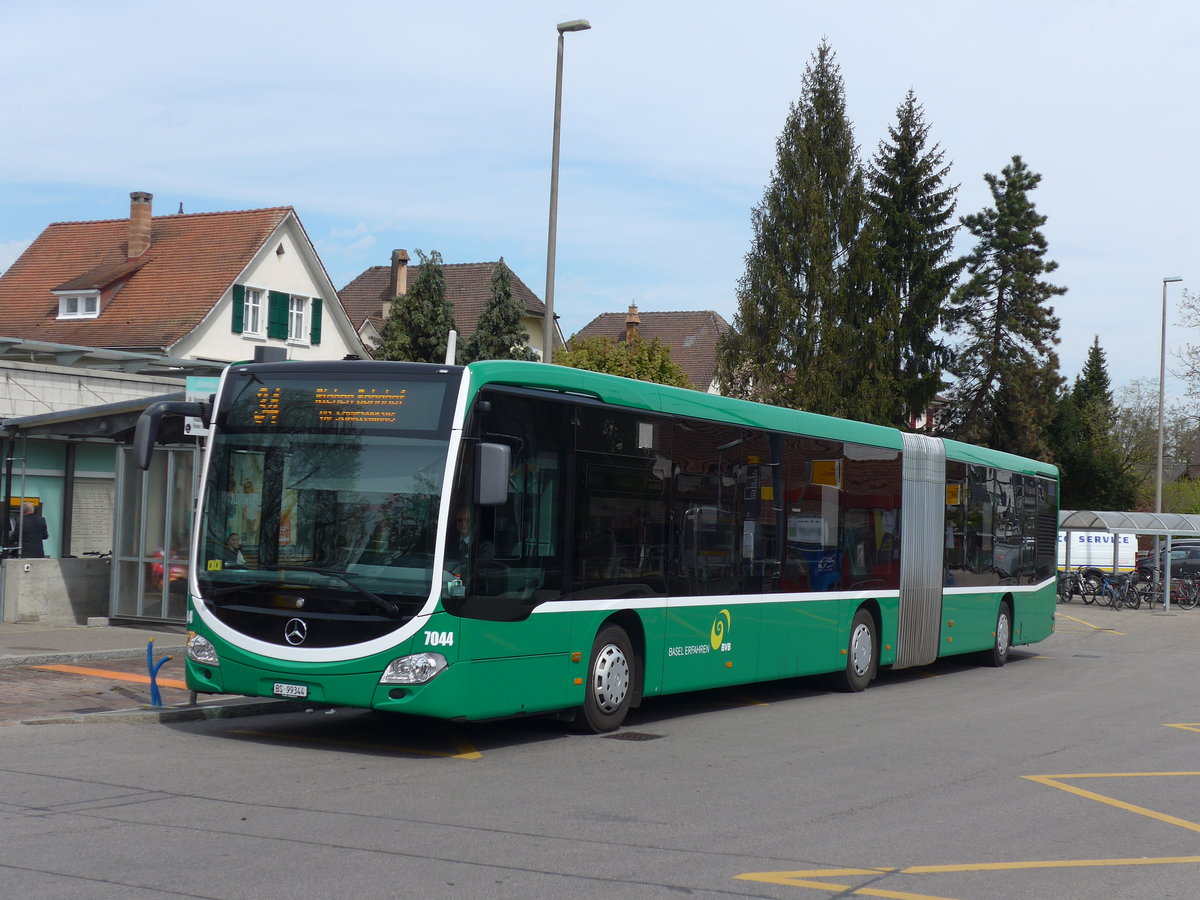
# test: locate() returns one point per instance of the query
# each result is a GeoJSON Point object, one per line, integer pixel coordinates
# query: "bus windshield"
{"type": "Point", "coordinates": [327, 486]}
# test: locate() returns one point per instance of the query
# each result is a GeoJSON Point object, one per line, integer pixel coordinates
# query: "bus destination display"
{"type": "Point", "coordinates": [328, 404]}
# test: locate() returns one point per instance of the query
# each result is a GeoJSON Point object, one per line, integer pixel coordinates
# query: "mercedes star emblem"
{"type": "Point", "coordinates": [295, 631]}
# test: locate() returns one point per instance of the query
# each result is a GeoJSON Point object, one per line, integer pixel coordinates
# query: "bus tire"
{"type": "Point", "coordinates": [1002, 642]}
{"type": "Point", "coordinates": [609, 686]}
{"type": "Point", "coordinates": [862, 656]}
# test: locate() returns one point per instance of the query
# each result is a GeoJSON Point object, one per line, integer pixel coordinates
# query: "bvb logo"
{"type": "Point", "coordinates": [720, 627]}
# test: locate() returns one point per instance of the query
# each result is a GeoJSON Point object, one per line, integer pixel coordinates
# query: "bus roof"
{"type": "Point", "coordinates": [675, 401]}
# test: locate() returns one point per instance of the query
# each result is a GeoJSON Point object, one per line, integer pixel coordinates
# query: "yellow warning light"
{"type": "Point", "coordinates": [729, 664]}
{"type": "Point", "coordinates": [579, 681]}
{"type": "Point", "coordinates": [576, 656]}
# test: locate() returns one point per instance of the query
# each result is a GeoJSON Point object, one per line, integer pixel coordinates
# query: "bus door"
{"type": "Point", "coordinates": [508, 558]}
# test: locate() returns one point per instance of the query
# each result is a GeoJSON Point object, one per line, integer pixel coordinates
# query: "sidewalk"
{"type": "Point", "coordinates": [34, 645]}
{"type": "Point", "coordinates": [51, 674]}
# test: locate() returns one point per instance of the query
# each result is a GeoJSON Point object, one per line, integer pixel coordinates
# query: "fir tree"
{"type": "Point", "coordinates": [1094, 469]}
{"type": "Point", "coordinates": [914, 232]}
{"type": "Point", "coordinates": [1005, 365]}
{"type": "Point", "coordinates": [793, 341]}
{"type": "Point", "coordinates": [419, 323]}
{"type": "Point", "coordinates": [499, 333]}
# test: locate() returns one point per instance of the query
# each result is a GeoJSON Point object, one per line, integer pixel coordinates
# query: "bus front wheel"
{"type": "Point", "coordinates": [609, 682]}
{"type": "Point", "coordinates": [862, 660]}
{"type": "Point", "coordinates": [998, 655]}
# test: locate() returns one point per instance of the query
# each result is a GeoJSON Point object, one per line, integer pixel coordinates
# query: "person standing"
{"type": "Point", "coordinates": [33, 532]}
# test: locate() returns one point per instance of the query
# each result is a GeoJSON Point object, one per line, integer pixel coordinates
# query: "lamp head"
{"type": "Point", "coordinates": [574, 25]}
{"type": "Point", "coordinates": [1168, 278]}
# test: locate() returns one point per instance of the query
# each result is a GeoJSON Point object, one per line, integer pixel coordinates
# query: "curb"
{"type": "Point", "coordinates": [41, 659]}
{"type": "Point", "coordinates": [149, 715]}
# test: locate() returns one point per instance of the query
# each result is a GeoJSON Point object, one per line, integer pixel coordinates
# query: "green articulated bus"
{"type": "Point", "coordinates": [512, 538]}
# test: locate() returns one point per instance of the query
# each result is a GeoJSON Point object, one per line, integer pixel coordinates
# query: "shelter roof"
{"type": "Point", "coordinates": [1176, 524]}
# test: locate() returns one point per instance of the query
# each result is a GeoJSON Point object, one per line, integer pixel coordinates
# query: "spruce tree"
{"type": "Point", "coordinates": [499, 333]}
{"type": "Point", "coordinates": [912, 211]}
{"type": "Point", "coordinates": [1094, 469]}
{"type": "Point", "coordinates": [419, 323]}
{"type": "Point", "coordinates": [793, 342]}
{"type": "Point", "coordinates": [1005, 363]}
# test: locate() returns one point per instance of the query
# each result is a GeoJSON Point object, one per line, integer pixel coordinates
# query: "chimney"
{"type": "Point", "coordinates": [631, 323]}
{"type": "Point", "coordinates": [139, 223]}
{"type": "Point", "coordinates": [397, 280]}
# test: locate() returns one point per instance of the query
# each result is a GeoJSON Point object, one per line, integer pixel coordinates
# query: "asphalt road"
{"type": "Point", "coordinates": [1073, 772]}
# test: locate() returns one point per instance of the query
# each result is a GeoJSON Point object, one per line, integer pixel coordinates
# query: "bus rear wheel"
{"type": "Point", "coordinates": [862, 658]}
{"type": "Point", "coordinates": [609, 689]}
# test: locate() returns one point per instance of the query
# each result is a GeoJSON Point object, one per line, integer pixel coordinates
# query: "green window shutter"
{"type": "Point", "coordinates": [239, 308]}
{"type": "Point", "coordinates": [315, 333]}
{"type": "Point", "coordinates": [277, 315]}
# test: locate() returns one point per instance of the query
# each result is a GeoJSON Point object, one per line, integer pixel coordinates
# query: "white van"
{"type": "Point", "coordinates": [1095, 549]}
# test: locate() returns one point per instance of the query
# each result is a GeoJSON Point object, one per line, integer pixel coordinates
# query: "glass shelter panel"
{"type": "Point", "coordinates": [154, 528]}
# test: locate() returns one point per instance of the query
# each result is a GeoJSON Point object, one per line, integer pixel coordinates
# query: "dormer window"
{"type": "Point", "coordinates": [78, 304]}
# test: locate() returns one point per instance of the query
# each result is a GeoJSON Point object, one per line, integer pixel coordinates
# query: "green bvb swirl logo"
{"type": "Point", "coordinates": [720, 626]}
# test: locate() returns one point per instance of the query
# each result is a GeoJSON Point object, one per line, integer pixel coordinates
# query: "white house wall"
{"type": "Point", "coordinates": [295, 271]}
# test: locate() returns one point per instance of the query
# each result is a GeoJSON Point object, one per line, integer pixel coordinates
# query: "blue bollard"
{"type": "Point", "coordinates": [155, 696]}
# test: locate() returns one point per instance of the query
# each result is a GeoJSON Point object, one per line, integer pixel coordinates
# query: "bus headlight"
{"type": "Point", "coordinates": [201, 650]}
{"type": "Point", "coordinates": [416, 669]}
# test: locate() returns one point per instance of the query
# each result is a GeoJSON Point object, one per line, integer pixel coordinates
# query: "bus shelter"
{"type": "Point", "coordinates": [1161, 525]}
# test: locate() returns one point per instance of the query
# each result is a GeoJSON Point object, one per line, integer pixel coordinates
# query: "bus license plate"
{"type": "Point", "coordinates": [290, 690]}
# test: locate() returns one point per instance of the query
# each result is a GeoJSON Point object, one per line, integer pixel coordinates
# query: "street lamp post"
{"type": "Point", "coordinates": [1162, 378]}
{"type": "Point", "coordinates": [548, 328]}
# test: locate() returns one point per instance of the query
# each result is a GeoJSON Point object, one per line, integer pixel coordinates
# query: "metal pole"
{"type": "Point", "coordinates": [1162, 381]}
{"type": "Point", "coordinates": [1158, 468]}
{"type": "Point", "coordinates": [548, 326]}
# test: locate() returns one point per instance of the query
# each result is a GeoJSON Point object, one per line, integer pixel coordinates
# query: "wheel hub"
{"type": "Point", "coordinates": [610, 678]}
{"type": "Point", "coordinates": [861, 651]}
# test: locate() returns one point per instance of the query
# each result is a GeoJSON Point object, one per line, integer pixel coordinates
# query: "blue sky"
{"type": "Point", "coordinates": [419, 125]}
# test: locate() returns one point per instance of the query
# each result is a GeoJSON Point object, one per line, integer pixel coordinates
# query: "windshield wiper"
{"type": "Point", "coordinates": [233, 588]}
{"type": "Point", "coordinates": [386, 605]}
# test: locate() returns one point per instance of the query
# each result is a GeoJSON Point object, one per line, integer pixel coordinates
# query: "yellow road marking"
{"type": "Point", "coordinates": [801, 879]}
{"type": "Point", "coordinates": [113, 676]}
{"type": "Point", "coordinates": [1055, 781]}
{"type": "Point", "coordinates": [464, 748]}
{"type": "Point", "coordinates": [1194, 726]}
{"type": "Point", "coordinates": [805, 878]}
{"type": "Point", "coordinates": [1091, 626]}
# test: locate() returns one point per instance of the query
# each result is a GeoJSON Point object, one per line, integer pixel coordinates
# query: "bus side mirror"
{"type": "Point", "coordinates": [492, 462]}
{"type": "Point", "coordinates": [145, 436]}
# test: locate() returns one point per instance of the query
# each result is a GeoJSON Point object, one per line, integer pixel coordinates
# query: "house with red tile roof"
{"type": "Point", "coordinates": [692, 337]}
{"type": "Point", "coordinates": [99, 319]}
{"type": "Point", "coordinates": [368, 298]}
{"type": "Point", "coordinates": [206, 286]}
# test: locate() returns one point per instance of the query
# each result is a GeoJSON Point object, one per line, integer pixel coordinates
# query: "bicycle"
{"type": "Point", "coordinates": [1072, 583]}
{"type": "Point", "coordinates": [1110, 590]}
{"type": "Point", "coordinates": [1185, 591]}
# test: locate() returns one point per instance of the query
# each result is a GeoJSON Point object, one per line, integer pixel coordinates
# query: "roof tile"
{"type": "Point", "coordinates": [691, 335]}
{"type": "Point", "coordinates": [468, 288]}
{"type": "Point", "coordinates": [152, 301]}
